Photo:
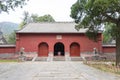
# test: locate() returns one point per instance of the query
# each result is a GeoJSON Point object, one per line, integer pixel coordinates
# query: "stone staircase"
{"type": "Point", "coordinates": [76, 58]}
{"type": "Point", "coordinates": [57, 58]}
{"type": "Point", "coordinates": [41, 59]}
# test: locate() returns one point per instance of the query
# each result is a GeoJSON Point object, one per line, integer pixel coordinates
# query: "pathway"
{"type": "Point", "coordinates": [56, 70]}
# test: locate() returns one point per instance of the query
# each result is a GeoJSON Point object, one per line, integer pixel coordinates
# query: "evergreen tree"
{"type": "Point", "coordinates": [92, 14]}
{"type": "Point", "coordinates": [6, 5]}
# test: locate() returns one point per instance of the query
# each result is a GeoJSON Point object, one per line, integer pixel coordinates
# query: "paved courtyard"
{"type": "Point", "coordinates": [57, 70]}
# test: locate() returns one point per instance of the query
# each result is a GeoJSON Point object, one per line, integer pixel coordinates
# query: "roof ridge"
{"type": "Point", "coordinates": [55, 22]}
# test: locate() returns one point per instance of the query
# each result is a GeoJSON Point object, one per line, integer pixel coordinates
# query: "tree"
{"type": "Point", "coordinates": [21, 25]}
{"type": "Point", "coordinates": [107, 37]}
{"type": "Point", "coordinates": [26, 19]}
{"type": "Point", "coordinates": [92, 14]}
{"type": "Point", "coordinates": [45, 18]}
{"type": "Point", "coordinates": [12, 38]}
{"type": "Point", "coordinates": [6, 5]}
{"type": "Point", "coordinates": [35, 18]}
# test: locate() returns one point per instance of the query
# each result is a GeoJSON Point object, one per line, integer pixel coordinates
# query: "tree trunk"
{"type": "Point", "coordinates": [118, 46]}
{"type": "Point", "coordinates": [118, 51]}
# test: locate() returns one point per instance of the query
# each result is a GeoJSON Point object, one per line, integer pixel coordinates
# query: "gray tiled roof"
{"type": "Point", "coordinates": [56, 27]}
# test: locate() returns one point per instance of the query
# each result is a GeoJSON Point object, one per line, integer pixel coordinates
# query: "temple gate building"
{"type": "Point", "coordinates": [57, 39]}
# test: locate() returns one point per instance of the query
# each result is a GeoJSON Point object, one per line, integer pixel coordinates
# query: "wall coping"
{"type": "Point", "coordinates": [109, 45]}
{"type": "Point", "coordinates": [8, 45]}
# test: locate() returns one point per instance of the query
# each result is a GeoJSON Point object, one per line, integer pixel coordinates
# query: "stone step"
{"type": "Point", "coordinates": [58, 58]}
{"type": "Point", "coordinates": [34, 58]}
{"type": "Point", "coordinates": [41, 59]}
{"type": "Point", "coordinates": [76, 59]}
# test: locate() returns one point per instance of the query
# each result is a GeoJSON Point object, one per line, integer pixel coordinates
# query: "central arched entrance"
{"type": "Point", "coordinates": [59, 49]}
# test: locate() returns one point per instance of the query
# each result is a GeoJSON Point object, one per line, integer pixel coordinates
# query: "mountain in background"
{"type": "Point", "coordinates": [8, 27]}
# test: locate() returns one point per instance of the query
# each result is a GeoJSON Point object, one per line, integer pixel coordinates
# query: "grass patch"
{"type": "Point", "coordinates": [105, 66]}
{"type": "Point", "coordinates": [6, 60]}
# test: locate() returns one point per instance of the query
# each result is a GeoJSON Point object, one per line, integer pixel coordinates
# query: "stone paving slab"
{"type": "Point", "coordinates": [56, 70]}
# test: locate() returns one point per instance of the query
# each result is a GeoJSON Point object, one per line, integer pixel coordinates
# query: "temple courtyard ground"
{"type": "Point", "coordinates": [55, 70]}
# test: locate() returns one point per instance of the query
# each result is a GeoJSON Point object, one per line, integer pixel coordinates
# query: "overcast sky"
{"type": "Point", "coordinates": [59, 9]}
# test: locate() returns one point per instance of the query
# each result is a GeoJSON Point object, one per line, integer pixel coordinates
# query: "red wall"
{"type": "Point", "coordinates": [7, 49]}
{"type": "Point", "coordinates": [109, 49]}
{"type": "Point", "coordinates": [31, 41]}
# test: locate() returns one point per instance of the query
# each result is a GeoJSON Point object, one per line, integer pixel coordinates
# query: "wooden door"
{"type": "Point", "coordinates": [74, 49]}
{"type": "Point", "coordinates": [43, 49]}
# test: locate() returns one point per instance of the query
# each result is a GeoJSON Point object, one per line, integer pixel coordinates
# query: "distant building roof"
{"type": "Point", "coordinates": [52, 27]}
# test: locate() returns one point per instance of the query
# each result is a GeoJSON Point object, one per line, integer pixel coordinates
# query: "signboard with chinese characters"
{"type": "Point", "coordinates": [58, 36]}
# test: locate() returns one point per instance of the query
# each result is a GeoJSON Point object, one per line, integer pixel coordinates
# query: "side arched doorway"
{"type": "Point", "coordinates": [43, 49]}
{"type": "Point", "coordinates": [59, 49]}
{"type": "Point", "coordinates": [74, 49]}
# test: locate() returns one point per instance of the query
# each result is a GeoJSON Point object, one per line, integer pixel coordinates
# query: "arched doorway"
{"type": "Point", "coordinates": [59, 49]}
{"type": "Point", "coordinates": [74, 49]}
{"type": "Point", "coordinates": [43, 49]}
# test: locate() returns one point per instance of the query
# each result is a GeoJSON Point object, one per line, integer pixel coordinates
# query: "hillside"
{"type": "Point", "coordinates": [8, 27]}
